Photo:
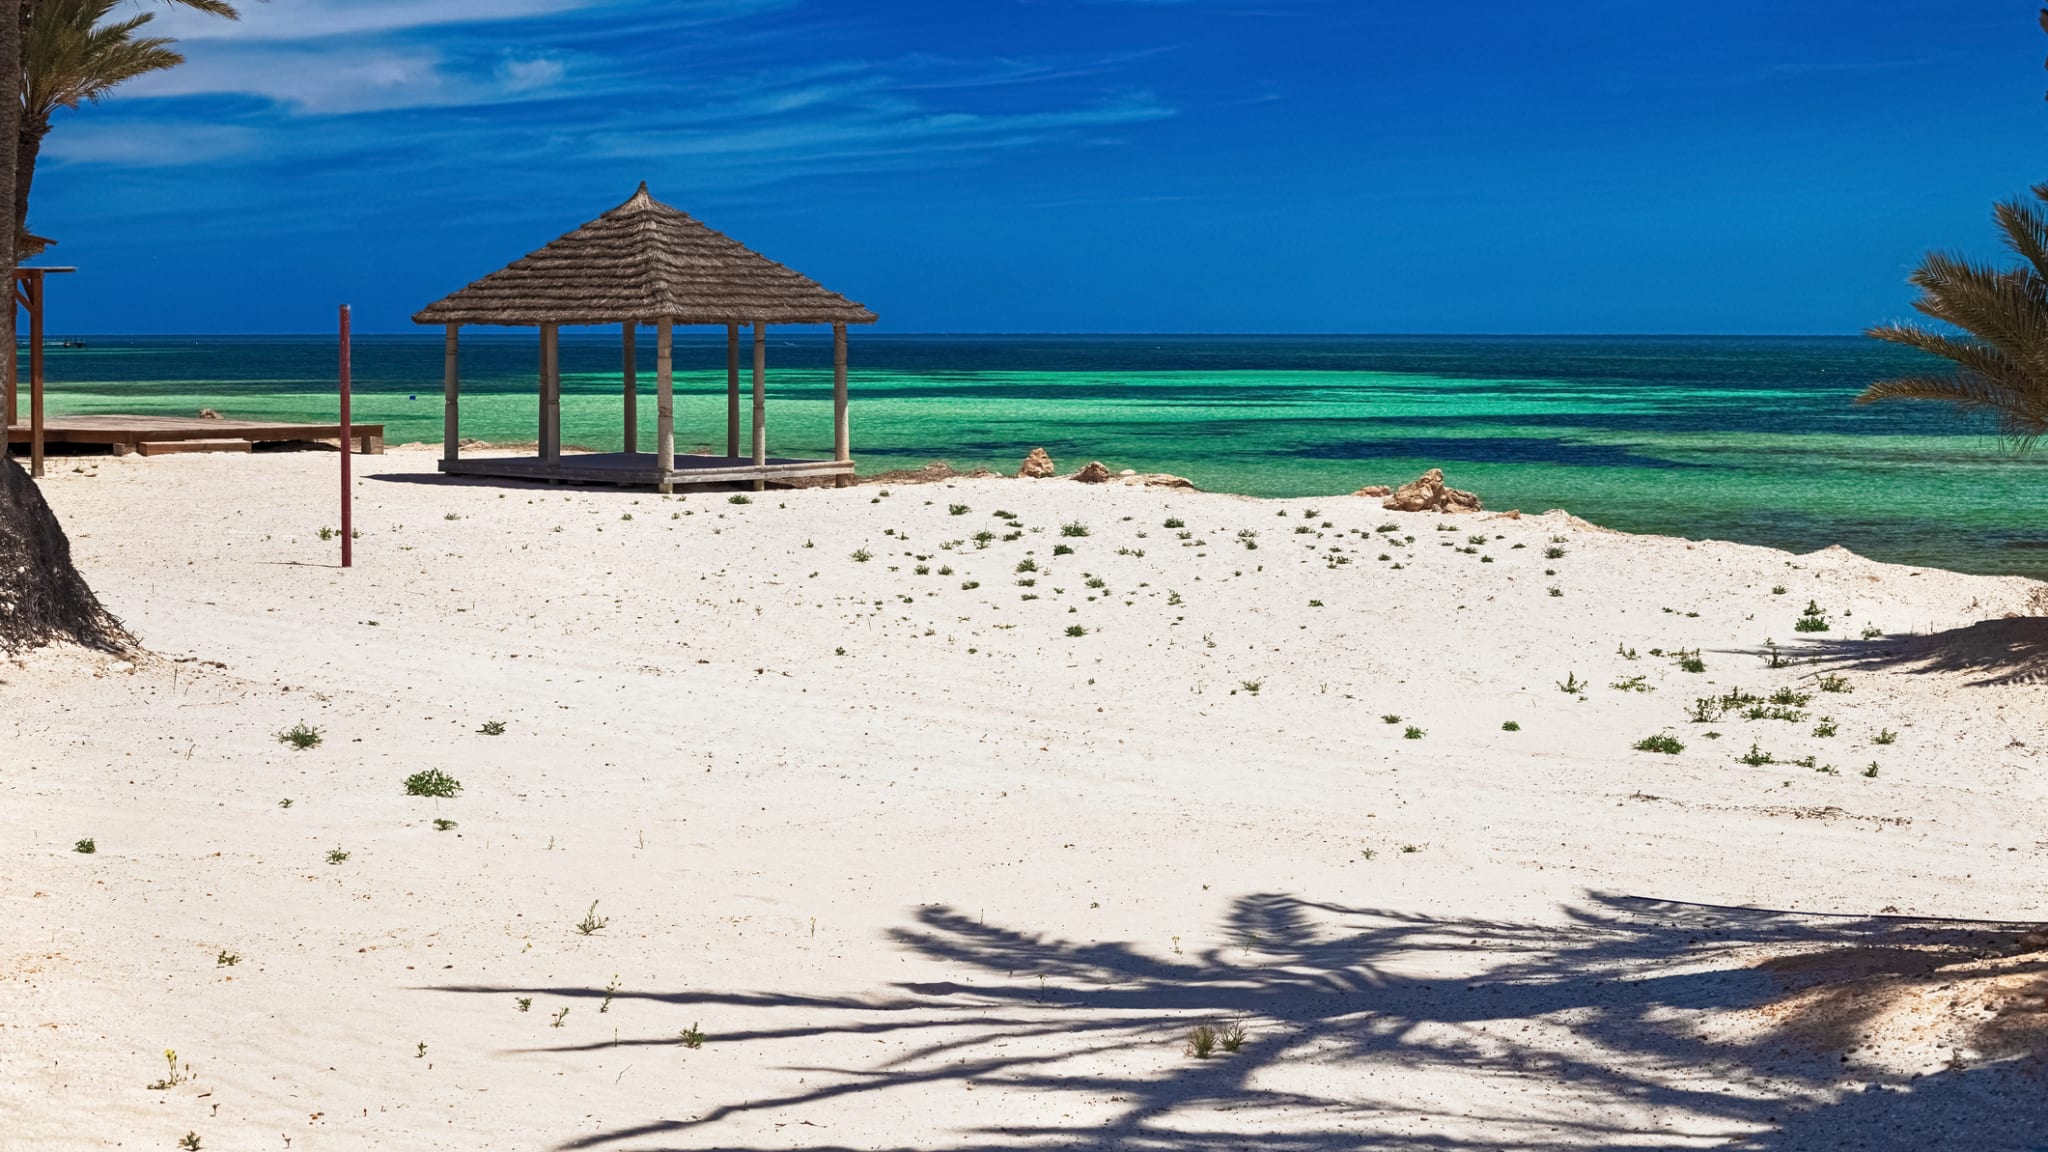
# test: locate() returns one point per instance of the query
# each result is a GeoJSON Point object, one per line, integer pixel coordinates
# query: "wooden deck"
{"type": "Point", "coordinates": [641, 468]}
{"type": "Point", "coordinates": [124, 434]}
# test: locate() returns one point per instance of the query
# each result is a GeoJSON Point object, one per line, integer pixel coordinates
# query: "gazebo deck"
{"type": "Point", "coordinates": [642, 468]}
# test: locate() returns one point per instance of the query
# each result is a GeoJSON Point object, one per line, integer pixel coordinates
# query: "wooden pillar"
{"type": "Point", "coordinates": [632, 357]}
{"type": "Point", "coordinates": [451, 395]}
{"type": "Point", "coordinates": [664, 401]}
{"type": "Point", "coordinates": [551, 391]}
{"type": "Point", "coordinates": [35, 376]}
{"type": "Point", "coordinates": [842, 438]}
{"type": "Point", "coordinates": [760, 401]}
{"type": "Point", "coordinates": [732, 391]}
{"type": "Point", "coordinates": [12, 380]}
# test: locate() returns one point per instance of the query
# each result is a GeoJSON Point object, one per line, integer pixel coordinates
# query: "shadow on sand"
{"type": "Point", "coordinates": [1739, 1026]}
{"type": "Point", "coordinates": [1990, 652]}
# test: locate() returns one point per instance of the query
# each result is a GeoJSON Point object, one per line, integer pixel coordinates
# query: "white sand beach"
{"type": "Point", "coordinates": [927, 871]}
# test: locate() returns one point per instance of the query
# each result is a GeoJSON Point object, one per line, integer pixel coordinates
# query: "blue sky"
{"type": "Point", "coordinates": [1743, 166]}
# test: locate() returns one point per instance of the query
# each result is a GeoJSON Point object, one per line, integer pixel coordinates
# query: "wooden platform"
{"type": "Point", "coordinates": [640, 468]}
{"type": "Point", "coordinates": [124, 434]}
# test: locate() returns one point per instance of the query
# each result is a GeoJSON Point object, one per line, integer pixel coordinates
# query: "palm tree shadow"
{"type": "Point", "coordinates": [1629, 1008]}
{"type": "Point", "coordinates": [2013, 650]}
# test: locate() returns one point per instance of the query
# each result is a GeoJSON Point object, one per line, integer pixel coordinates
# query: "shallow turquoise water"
{"type": "Point", "coordinates": [1744, 439]}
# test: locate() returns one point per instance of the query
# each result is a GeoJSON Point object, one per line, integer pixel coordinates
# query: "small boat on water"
{"type": "Point", "coordinates": [74, 342]}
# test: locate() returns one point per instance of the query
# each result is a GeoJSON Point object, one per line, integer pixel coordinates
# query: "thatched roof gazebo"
{"type": "Point", "coordinates": [647, 263]}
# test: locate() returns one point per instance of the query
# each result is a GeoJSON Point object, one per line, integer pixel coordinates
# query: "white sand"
{"type": "Point", "coordinates": [968, 884]}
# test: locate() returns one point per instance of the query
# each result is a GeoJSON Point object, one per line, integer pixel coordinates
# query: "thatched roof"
{"type": "Point", "coordinates": [644, 261]}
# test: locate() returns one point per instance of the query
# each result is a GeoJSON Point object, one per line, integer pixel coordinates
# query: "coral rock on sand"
{"type": "Point", "coordinates": [1037, 466]}
{"type": "Point", "coordinates": [1094, 473]}
{"type": "Point", "coordinates": [1374, 490]}
{"type": "Point", "coordinates": [208, 414]}
{"type": "Point", "coordinates": [1428, 493]}
{"type": "Point", "coordinates": [1158, 480]}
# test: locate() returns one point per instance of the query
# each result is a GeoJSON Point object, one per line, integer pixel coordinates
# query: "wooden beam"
{"type": "Point", "coordinates": [551, 390]}
{"type": "Point", "coordinates": [664, 402]}
{"type": "Point", "coordinates": [632, 357]}
{"type": "Point", "coordinates": [732, 390]}
{"type": "Point", "coordinates": [842, 438]}
{"type": "Point", "coordinates": [451, 394]}
{"type": "Point", "coordinates": [760, 400]}
{"type": "Point", "coordinates": [35, 376]}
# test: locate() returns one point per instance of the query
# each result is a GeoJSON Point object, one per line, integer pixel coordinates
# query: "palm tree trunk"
{"type": "Point", "coordinates": [13, 14]}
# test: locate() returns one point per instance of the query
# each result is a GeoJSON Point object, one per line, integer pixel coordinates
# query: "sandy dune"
{"type": "Point", "coordinates": [930, 872]}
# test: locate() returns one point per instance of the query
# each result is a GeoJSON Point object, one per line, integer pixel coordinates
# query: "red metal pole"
{"type": "Point", "coordinates": [347, 444]}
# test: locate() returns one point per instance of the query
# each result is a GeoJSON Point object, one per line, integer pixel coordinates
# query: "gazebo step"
{"type": "Point", "coordinates": [171, 447]}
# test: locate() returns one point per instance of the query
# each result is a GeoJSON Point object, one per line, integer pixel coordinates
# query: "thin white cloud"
{"type": "Point", "coordinates": [322, 19]}
{"type": "Point", "coordinates": [159, 146]}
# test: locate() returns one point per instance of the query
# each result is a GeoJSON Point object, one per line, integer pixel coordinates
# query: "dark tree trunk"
{"type": "Point", "coordinates": [42, 597]}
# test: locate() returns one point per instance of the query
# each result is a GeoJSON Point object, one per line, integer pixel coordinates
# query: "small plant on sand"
{"type": "Point", "coordinates": [1073, 528]}
{"type": "Point", "coordinates": [1705, 710]}
{"type": "Point", "coordinates": [1825, 728]}
{"type": "Point", "coordinates": [957, 509]}
{"type": "Point", "coordinates": [1789, 697]}
{"type": "Point", "coordinates": [736, 498]}
{"type": "Point", "coordinates": [1885, 736]}
{"type": "Point", "coordinates": [443, 825]}
{"type": "Point", "coordinates": [691, 1037]}
{"type": "Point", "coordinates": [1201, 1042]}
{"type": "Point", "coordinates": [1872, 770]}
{"type": "Point", "coordinates": [85, 847]}
{"type": "Point", "coordinates": [1510, 726]}
{"type": "Point", "coordinates": [1777, 589]}
{"type": "Point", "coordinates": [328, 533]}
{"type": "Point", "coordinates": [1633, 684]}
{"type": "Point", "coordinates": [592, 923]}
{"type": "Point", "coordinates": [1553, 553]}
{"type": "Point", "coordinates": [1628, 653]}
{"type": "Point", "coordinates": [285, 803]}
{"type": "Point", "coordinates": [610, 990]}
{"type": "Point", "coordinates": [1251, 687]}
{"type": "Point", "coordinates": [1756, 757]}
{"type": "Point", "coordinates": [1690, 661]}
{"type": "Point", "coordinates": [1812, 619]}
{"type": "Point", "coordinates": [300, 736]}
{"type": "Point", "coordinates": [1571, 684]}
{"type": "Point", "coordinates": [1554, 590]}
{"type": "Point", "coordinates": [336, 856]}
{"type": "Point", "coordinates": [861, 556]}
{"type": "Point", "coordinates": [556, 1022]}
{"type": "Point", "coordinates": [226, 959]}
{"type": "Point", "coordinates": [983, 538]}
{"type": "Point", "coordinates": [492, 728]}
{"type": "Point", "coordinates": [189, 1142]}
{"type": "Point", "coordinates": [1076, 630]}
{"type": "Point", "coordinates": [1773, 656]}
{"type": "Point", "coordinates": [965, 586]}
{"type": "Point", "coordinates": [1063, 549]}
{"type": "Point", "coordinates": [1232, 1038]}
{"type": "Point", "coordinates": [525, 1002]}
{"type": "Point", "coordinates": [1872, 632]}
{"type": "Point", "coordinates": [1174, 522]}
{"type": "Point", "coordinates": [1834, 683]}
{"type": "Point", "coordinates": [172, 1077]}
{"type": "Point", "coordinates": [419, 1052]}
{"type": "Point", "coordinates": [1410, 849]}
{"type": "Point", "coordinates": [1027, 564]}
{"type": "Point", "coordinates": [1390, 718]}
{"type": "Point", "coordinates": [432, 782]}
{"type": "Point", "coordinates": [1413, 733]}
{"type": "Point", "coordinates": [1249, 539]}
{"type": "Point", "coordinates": [1662, 742]}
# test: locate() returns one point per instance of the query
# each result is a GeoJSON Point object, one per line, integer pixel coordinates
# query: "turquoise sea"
{"type": "Point", "coordinates": [1746, 439]}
